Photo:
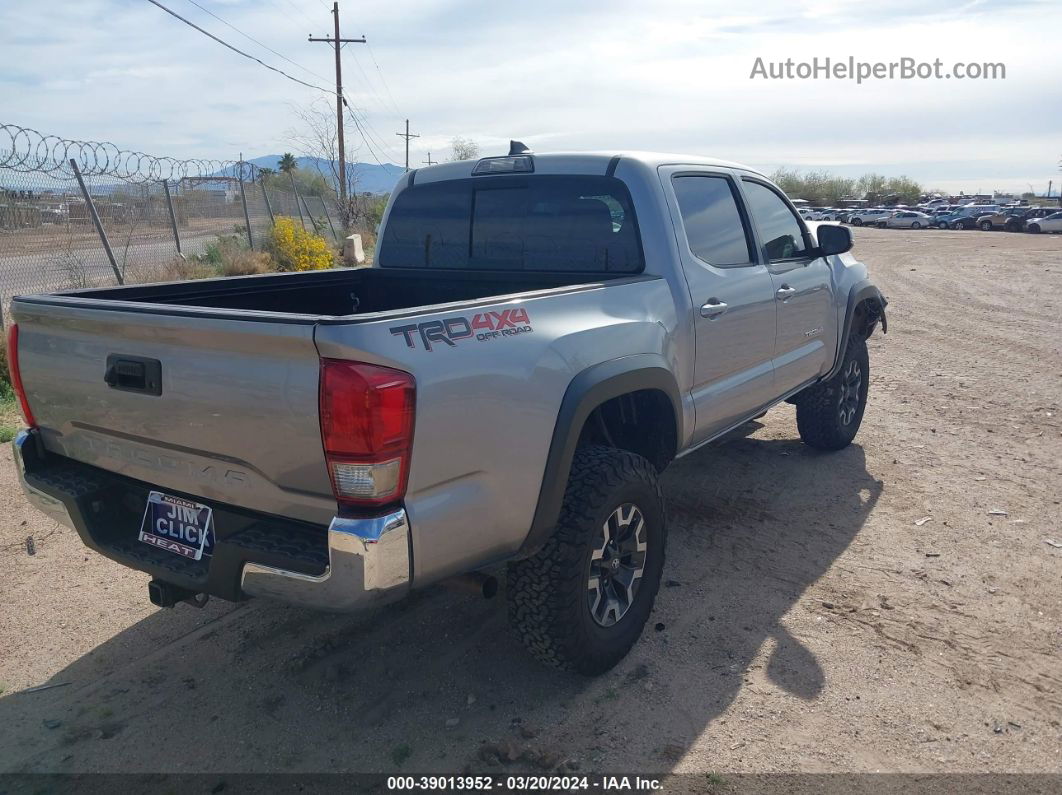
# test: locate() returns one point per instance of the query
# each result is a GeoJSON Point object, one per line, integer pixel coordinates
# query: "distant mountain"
{"type": "Point", "coordinates": [371, 177]}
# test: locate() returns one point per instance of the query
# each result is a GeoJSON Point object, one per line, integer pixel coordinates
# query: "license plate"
{"type": "Point", "coordinates": [177, 525]}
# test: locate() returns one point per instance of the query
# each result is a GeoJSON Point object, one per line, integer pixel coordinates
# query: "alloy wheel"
{"type": "Point", "coordinates": [617, 564]}
{"type": "Point", "coordinates": [851, 380]}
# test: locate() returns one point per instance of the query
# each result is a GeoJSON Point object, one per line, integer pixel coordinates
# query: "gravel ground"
{"type": "Point", "coordinates": [896, 606]}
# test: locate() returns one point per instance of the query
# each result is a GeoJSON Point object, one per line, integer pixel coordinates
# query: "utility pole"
{"type": "Point", "coordinates": [407, 135]}
{"type": "Point", "coordinates": [429, 161]}
{"type": "Point", "coordinates": [337, 42]}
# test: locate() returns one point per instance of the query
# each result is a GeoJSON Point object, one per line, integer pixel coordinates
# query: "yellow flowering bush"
{"type": "Point", "coordinates": [295, 249]}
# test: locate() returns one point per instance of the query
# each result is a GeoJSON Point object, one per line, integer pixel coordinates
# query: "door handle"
{"type": "Point", "coordinates": [785, 291]}
{"type": "Point", "coordinates": [713, 309]}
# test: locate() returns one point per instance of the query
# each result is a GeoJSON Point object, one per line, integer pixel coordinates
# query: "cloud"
{"type": "Point", "coordinates": [661, 76]}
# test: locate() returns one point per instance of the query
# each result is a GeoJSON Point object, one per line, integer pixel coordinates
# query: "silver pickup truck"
{"type": "Point", "coordinates": [540, 335]}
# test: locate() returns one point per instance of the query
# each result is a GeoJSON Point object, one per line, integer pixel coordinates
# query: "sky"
{"type": "Point", "coordinates": [666, 75]}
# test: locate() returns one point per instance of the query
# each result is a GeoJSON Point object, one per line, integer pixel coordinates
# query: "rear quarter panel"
{"type": "Point", "coordinates": [487, 405]}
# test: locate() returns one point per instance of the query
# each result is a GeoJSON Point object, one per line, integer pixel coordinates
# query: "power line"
{"type": "Point", "coordinates": [364, 139]}
{"type": "Point", "coordinates": [372, 132]}
{"type": "Point", "coordinates": [300, 12]}
{"type": "Point", "coordinates": [237, 50]}
{"type": "Point", "coordinates": [383, 80]}
{"type": "Point", "coordinates": [256, 41]}
{"type": "Point", "coordinates": [372, 91]}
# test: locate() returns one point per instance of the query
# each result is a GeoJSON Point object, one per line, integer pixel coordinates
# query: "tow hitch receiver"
{"type": "Point", "coordinates": [164, 594]}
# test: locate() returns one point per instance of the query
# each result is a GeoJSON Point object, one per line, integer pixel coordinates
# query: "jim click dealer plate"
{"type": "Point", "coordinates": [177, 525]}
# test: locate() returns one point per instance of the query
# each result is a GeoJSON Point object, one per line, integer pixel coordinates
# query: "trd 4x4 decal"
{"type": "Point", "coordinates": [483, 326]}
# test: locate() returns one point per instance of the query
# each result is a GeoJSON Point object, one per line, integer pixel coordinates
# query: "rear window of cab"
{"type": "Point", "coordinates": [535, 223]}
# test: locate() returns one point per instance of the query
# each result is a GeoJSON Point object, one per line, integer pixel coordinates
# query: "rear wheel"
{"type": "Point", "coordinates": [581, 601]}
{"type": "Point", "coordinates": [916, 225]}
{"type": "Point", "coordinates": [1034, 228]}
{"type": "Point", "coordinates": [857, 222]}
{"type": "Point", "coordinates": [829, 414]}
{"type": "Point", "coordinates": [942, 225]}
{"type": "Point", "coordinates": [957, 225]}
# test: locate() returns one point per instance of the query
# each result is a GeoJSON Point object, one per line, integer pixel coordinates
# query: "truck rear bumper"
{"type": "Point", "coordinates": [354, 563]}
{"type": "Point", "coordinates": [368, 563]}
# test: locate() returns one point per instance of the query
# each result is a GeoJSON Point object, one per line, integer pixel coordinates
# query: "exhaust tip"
{"type": "Point", "coordinates": [476, 582]}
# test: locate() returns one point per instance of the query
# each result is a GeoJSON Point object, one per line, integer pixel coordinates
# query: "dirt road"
{"type": "Point", "coordinates": [896, 606]}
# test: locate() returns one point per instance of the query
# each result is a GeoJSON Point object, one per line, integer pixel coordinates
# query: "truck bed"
{"type": "Point", "coordinates": [342, 292]}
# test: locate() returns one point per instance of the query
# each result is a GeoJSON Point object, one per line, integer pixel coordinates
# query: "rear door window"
{"type": "Point", "coordinates": [714, 228]}
{"type": "Point", "coordinates": [541, 223]}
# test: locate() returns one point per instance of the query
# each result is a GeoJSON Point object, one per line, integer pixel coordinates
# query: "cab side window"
{"type": "Point", "coordinates": [714, 229]}
{"type": "Point", "coordinates": [782, 235]}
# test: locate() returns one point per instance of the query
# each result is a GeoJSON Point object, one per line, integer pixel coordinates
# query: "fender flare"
{"type": "Point", "coordinates": [861, 291]}
{"type": "Point", "coordinates": [586, 391]}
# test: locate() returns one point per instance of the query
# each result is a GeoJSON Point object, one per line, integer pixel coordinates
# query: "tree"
{"type": "Point", "coordinates": [318, 136]}
{"type": "Point", "coordinates": [463, 149]}
{"type": "Point", "coordinates": [265, 171]}
{"type": "Point", "coordinates": [287, 163]}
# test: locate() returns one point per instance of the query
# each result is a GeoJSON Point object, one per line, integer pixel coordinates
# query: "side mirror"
{"type": "Point", "coordinates": [833, 239]}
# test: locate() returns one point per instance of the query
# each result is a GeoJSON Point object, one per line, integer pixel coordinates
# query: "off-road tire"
{"type": "Point", "coordinates": [547, 592]}
{"type": "Point", "coordinates": [819, 409]}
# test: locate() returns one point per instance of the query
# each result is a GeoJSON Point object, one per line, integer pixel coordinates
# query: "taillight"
{"type": "Point", "coordinates": [367, 430]}
{"type": "Point", "coordinates": [16, 376]}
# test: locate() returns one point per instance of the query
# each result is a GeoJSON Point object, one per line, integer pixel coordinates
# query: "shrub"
{"type": "Point", "coordinates": [6, 392]}
{"type": "Point", "coordinates": [295, 249]}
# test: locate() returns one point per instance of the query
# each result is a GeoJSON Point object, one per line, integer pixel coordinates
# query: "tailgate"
{"type": "Point", "coordinates": [235, 418]}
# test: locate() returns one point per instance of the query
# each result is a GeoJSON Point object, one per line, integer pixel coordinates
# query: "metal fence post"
{"type": "Point", "coordinates": [96, 221]}
{"type": "Point", "coordinates": [324, 207]}
{"type": "Point", "coordinates": [246, 215]}
{"type": "Point", "coordinates": [173, 217]}
{"type": "Point", "coordinates": [269, 207]}
{"type": "Point", "coordinates": [298, 202]}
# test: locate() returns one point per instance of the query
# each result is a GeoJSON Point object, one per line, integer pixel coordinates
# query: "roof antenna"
{"type": "Point", "coordinates": [518, 148]}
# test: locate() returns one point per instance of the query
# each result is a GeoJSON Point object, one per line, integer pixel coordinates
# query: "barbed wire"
{"type": "Point", "coordinates": [23, 149]}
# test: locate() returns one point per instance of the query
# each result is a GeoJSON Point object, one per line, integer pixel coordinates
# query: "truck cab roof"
{"type": "Point", "coordinates": [576, 163]}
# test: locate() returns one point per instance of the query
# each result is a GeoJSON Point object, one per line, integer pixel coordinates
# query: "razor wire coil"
{"type": "Point", "coordinates": [23, 149]}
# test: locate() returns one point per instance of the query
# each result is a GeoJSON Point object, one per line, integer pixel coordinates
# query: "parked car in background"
{"type": "Point", "coordinates": [1052, 223]}
{"type": "Point", "coordinates": [871, 217]}
{"type": "Point", "coordinates": [967, 215]}
{"type": "Point", "coordinates": [1020, 221]}
{"type": "Point", "coordinates": [1004, 219]}
{"type": "Point", "coordinates": [906, 219]}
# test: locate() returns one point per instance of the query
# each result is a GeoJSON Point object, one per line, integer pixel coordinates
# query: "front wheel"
{"type": "Point", "coordinates": [1034, 228]}
{"type": "Point", "coordinates": [829, 414]}
{"type": "Point", "coordinates": [942, 225]}
{"type": "Point", "coordinates": [957, 226]}
{"type": "Point", "coordinates": [857, 222]}
{"type": "Point", "coordinates": [582, 600]}
{"type": "Point", "coordinates": [986, 226]}
{"type": "Point", "coordinates": [916, 225]}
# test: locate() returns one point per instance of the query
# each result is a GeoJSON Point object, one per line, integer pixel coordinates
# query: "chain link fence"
{"type": "Point", "coordinates": [77, 214]}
